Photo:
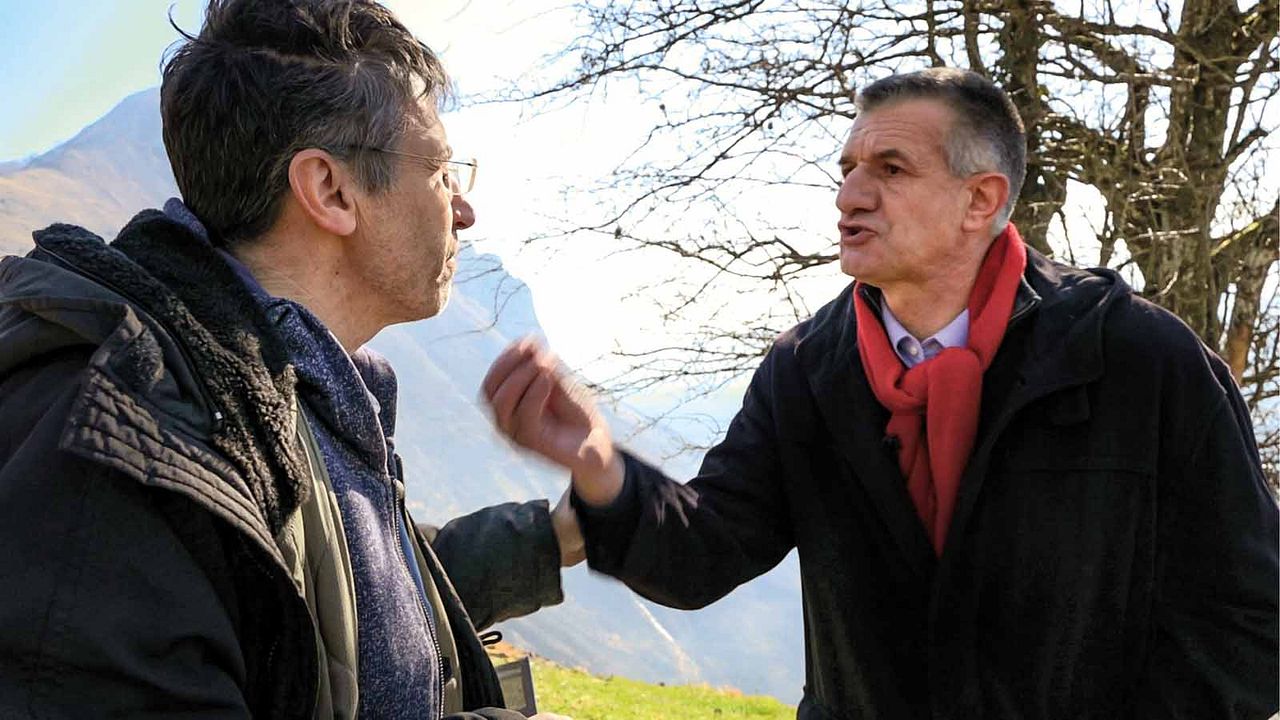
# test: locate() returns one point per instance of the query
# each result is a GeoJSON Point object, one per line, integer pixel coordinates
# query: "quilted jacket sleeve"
{"type": "Point", "coordinates": [504, 560]}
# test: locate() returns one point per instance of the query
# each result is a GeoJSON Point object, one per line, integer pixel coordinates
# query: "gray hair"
{"type": "Point", "coordinates": [265, 79]}
{"type": "Point", "coordinates": [987, 134]}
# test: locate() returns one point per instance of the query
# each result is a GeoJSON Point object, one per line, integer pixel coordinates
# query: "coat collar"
{"type": "Point", "coordinates": [188, 297]}
{"type": "Point", "coordinates": [828, 355]}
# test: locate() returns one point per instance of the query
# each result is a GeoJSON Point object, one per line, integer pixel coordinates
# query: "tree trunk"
{"type": "Point", "coordinates": [1044, 189]}
{"type": "Point", "coordinates": [1260, 243]}
{"type": "Point", "coordinates": [1172, 229]}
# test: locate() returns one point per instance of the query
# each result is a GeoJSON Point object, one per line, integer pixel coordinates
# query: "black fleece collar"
{"type": "Point", "coordinates": [184, 284]}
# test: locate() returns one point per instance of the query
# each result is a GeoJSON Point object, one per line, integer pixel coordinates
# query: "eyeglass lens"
{"type": "Point", "coordinates": [463, 176]}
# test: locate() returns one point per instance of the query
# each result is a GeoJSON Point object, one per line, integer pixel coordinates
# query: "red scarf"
{"type": "Point", "coordinates": [943, 393]}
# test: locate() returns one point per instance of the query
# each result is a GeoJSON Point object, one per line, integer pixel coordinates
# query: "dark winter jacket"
{"type": "Point", "coordinates": [171, 544]}
{"type": "Point", "coordinates": [1113, 552]}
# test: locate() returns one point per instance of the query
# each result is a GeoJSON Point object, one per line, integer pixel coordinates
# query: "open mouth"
{"type": "Point", "coordinates": [855, 233]}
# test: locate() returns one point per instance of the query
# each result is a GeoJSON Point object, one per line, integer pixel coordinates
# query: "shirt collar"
{"type": "Point", "coordinates": [954, 334]}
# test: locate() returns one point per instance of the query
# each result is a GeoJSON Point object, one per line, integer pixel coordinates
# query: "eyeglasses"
{"type": "Point", "coordinates": [462, 173]}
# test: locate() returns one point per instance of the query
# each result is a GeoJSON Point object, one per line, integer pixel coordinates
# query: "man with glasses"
{"type": "Point", "coordinates": [201, 509]}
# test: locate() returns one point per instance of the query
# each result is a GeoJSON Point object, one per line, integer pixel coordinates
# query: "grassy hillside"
{"type": "Point", "coordinates": [583, 696]}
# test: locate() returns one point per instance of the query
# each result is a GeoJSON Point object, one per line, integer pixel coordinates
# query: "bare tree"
{"type": "Point", "coordinates": [1166, 112]}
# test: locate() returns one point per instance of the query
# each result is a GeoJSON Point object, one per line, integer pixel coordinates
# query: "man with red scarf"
{"type": "Point", "coordinates": [1018, 490]}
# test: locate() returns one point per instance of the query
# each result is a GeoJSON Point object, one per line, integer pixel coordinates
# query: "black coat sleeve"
{"type": "Point", "coordinates": [504, 560]}
{"type": "Point", "coordinates": [687, 545]}
{"type": "Point", "coordinates": [104, 609]}
{"type": "Point", "coordinates": [1214, 649]}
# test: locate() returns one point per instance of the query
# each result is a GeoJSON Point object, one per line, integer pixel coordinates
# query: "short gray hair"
{"type": "Point", "coordinates": [987, 134]}
{"type": "Point", "coordinates": [265, 79]}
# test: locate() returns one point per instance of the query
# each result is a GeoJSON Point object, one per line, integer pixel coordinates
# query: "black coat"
{"type": "Point", "coordinates": [1113, 553]}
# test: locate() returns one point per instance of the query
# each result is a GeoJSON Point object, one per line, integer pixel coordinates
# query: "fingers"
{"type": "Point", "coordinates": [573, 402]}
{"type": "Point", "coordinates": [518, 388]}
{"type": "Point", "coordinates": [539, 407]}
{"type": "Point", "coordinates": [515, 354]}
{"type": "Point", "coordinates": [528, 423]}
{"type": "Point", "coordinates": [508, 394]}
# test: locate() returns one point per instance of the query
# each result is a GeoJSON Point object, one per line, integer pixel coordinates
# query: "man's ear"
{"type": "Point", "coordinates": [322, 187]}
{"type": "Point", "coordinates": [988, 193]}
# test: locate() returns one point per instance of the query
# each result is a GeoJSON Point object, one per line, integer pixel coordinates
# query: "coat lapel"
{"type": "Point", "coordinates": [829, 356]}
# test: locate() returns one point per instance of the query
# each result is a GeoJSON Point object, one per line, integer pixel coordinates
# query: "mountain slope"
{"type": "Point", "coordinates": [96, 179]}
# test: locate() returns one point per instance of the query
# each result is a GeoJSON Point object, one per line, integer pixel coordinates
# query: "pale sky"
{"type": "Point", "coordinates": [66, 63]}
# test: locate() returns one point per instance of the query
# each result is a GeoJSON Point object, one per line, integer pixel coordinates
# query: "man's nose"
{"type": "Point", "coordinates": [856, 193]}
{"type": "Point", "coordinates": [464, 216]}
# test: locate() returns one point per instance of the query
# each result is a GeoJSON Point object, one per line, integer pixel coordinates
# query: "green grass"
{"type": "Point", "coordinates": [582, 696]}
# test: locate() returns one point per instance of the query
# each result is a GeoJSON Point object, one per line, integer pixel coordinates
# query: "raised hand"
{"type": "Point", "coordinates": [540, 408]}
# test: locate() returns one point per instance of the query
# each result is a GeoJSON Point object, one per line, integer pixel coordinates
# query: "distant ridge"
{"type": "Point", "coordinates": [97, 179]}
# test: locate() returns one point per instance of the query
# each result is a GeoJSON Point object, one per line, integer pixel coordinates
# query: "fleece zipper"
{"type": "Point", "coordinates": [398, 512]}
